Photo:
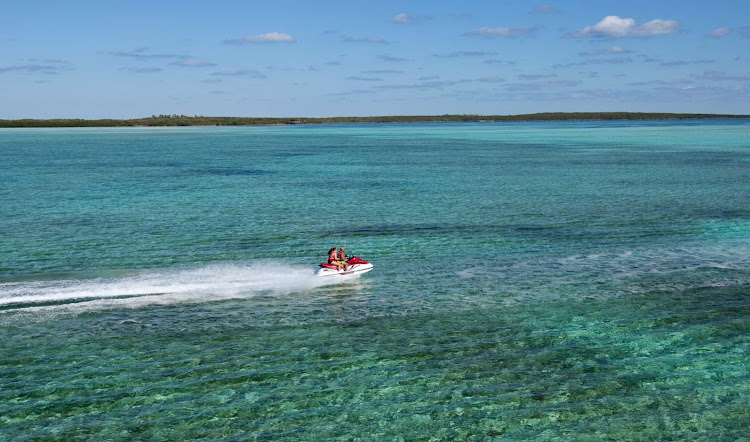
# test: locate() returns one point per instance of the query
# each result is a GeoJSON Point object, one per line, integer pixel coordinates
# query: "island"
{"type": "Point", "coordinates": [184, 120]}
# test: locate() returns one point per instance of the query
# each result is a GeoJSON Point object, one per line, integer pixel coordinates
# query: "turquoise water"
{"type": "Point", "coordinates": [574, 281]}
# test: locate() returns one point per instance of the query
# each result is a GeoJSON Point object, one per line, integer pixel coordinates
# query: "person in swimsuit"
{"type": "Point", "coordinates": [333, 258]}
{"type": "Point", "coordinates": [343, 258]}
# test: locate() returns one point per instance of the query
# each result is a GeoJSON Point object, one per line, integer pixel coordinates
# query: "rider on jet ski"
{"type": "Point", "coordinates": [343, 256]}
{"type": "Point", "coordinates": [337, 259]}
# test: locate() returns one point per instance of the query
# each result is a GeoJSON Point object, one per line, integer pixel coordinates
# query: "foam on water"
{"type": "Point", "coordinates": [203, 284]}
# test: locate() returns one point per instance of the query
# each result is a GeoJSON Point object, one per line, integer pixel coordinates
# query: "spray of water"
{"type": "Point", "coordinates": [203, 284]}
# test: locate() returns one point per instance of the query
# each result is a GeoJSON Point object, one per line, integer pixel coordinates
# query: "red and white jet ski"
{"type": "Point", "coordinates": [355, 266]}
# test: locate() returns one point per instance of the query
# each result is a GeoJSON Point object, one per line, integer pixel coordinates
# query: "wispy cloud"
{"type": "Point", "coordinates": [649, 59]}
{"type": "Point", "coordinates": [492, 79]}
{"type": "Point", "coordinates": [540, 85]}
{"type": "Point", "coordinates": [672, 82]}
{"type": "Point", "coordinates": [500, 31]}
{"type": "Point", "coordinates": [270, 37]}
{"type": "Point", "coordinates": [687, 62]}
{"type": "Point", "coordinates": [143, 70]}
{"type": "Point", "coordinates": [465, 54]}
{"type": "Point", "coordinates": [352, 92]}
{"type": "Point", "coordinates": [719, 32]}
{"type": "Point", "coordinates": [51, 68]}
{"type": "Point", "coordinates": [376, 40]}
{"type": "Point", "coordinates": [615, 60]}
{"type": "Point", "coordinates": [391, 59]}
{"type": "Point", "coordinates": [143, 54]}
{"type": "Point", "coordinates": [402, 18]}
{"type": "Point", "coordinates": [592, 74]}
{"type": "Point", "coordinates": [148, 70]}
{"type": "Point", "coordinates": [239, 73]}
{"type": "Point", "coordinates": [496, 61]}
{"type": "Point", "coordinates": [192, 63]}
{"type": "Point", "coordinates": [57, 61]}
{"type": "Point", "coordinates": [613, 26]}
{"type": "Point", "coordinates": [431, 84]}
{"type": "Point", "coordinates": [383, 71]}
{"type": "Point", "coordinates": [607, 51]}
{"type": "Point", "coordinates": [544, 9]}
{"type": "Point", "coordinates": [717, 75]}
{"type": "Point", "coordinates": [355, 78]}
{"type": "Point", "coordinates": [536, 76]}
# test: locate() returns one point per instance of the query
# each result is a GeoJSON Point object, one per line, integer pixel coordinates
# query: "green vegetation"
{"type": "Point", "coordinates": [183, 120]}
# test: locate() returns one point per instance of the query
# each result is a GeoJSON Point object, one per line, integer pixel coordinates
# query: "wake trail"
{"type": "Point", "coordinates": [204, 284]}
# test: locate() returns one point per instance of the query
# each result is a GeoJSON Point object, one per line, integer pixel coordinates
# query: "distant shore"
{"type": "Point", "coordinates": [184, 120]}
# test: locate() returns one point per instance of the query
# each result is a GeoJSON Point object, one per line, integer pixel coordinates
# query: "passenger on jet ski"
{"type": "Point", "coordinates": [333, 258]}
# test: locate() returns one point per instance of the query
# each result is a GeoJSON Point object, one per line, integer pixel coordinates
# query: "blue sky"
{"type": "Point", "coordinates": [128, 59]}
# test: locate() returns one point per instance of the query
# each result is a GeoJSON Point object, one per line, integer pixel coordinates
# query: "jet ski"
{"type": "Point", "coordinates": [354, 266]}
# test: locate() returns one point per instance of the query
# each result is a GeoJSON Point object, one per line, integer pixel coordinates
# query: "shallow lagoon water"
{"type": "Point", "coordinates": [578, 280]}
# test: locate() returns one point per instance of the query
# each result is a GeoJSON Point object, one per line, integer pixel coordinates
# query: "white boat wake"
{"type": "Point", "coordinates": [197, 285]}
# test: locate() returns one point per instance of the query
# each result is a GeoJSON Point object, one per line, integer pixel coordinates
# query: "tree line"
{"type": "Point", "coordinates": [184, 120]}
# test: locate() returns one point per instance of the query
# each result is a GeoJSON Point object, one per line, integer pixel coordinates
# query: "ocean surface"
{"type": "Point", "coordinates": [538, 281]}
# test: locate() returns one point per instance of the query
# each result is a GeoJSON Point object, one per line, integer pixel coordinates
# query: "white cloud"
{"type": "Point", "coordinates": [615, 27]}
{"type": "Point", "coordinates": [192, 63]}
{"type": "Point", "coordinates": [500, 32]}
{"type": "Point", "coordinates": [465, 54]}
{"type": "Point", "coordinates": [239, 73]}
{"type": "Point", "coordinates": [391, 59]}
{"type": "Point", "coordinates": [270, 37]}
{"type": "Point", "coordinates": [365, 78]}
{"type": "Point", "coordinates": [539, 85]}
{"type": "Point", "coordinates": [717, 75]}
{"type": "Point", "coordinates": [719, 32]}
{"type": "Point", "coordinates": [687, 62]}
{"type": "Point", "coordinates": [670, 82]}
{"type": "Point", "coordinates": [434, 84]}
{"type": "Point", "coordinates": [496, 61]}
{"type": "Point", "coordinates": [536, 76]}
{"type": "Point", "coordinates": [402, 18]}
{"type": "Point", "coordinates": [493, 79]}
{"type": "Point", "coordinates": [129, 53]}
{"type": "Point", "coordinates": [545, 9]}
{"type": "Point", "coordinates": [607, 51]}
{"type": "Point", "coordinates": [147, 70]}
{"type": "Point", "coordinates": [377, 40]}
{"type": "Point", "coordinates": [141, 54]}
{"type": "Point", "coordinates": [45, 69]}
{"type": "Point", "coordinates": [590, 61]}
{"type": "Point", "coordinates": [49, 60]}
{"type": "Point", "coordinates": [384, 71]}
